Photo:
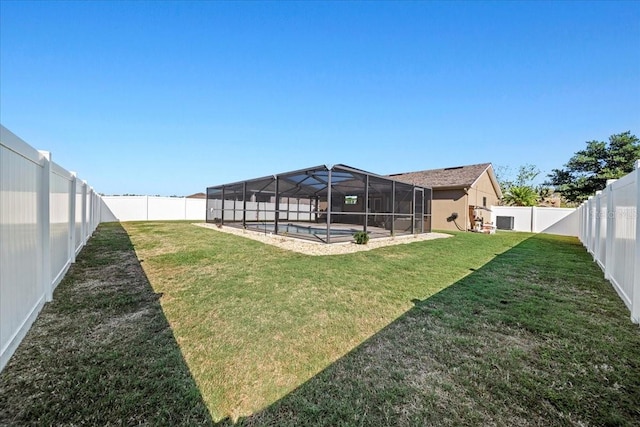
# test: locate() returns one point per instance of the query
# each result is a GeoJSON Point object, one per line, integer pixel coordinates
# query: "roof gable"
{"type": "Point", "coordinates": [448, 178]}
{"type": "Point", "coordinates": [458, 176]}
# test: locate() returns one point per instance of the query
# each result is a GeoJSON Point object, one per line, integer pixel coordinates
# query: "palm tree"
{"type": "Point", "coordinates": [521, 195]}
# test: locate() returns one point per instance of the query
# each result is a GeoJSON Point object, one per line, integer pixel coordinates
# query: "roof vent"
{"type": "Point", "coordinates": [453, 168]}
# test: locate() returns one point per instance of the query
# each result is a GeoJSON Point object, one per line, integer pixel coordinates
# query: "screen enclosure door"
{"type": "Point", "coordinates": [418, 210]}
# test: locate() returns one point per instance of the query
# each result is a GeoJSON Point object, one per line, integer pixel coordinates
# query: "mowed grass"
{"type": "Point", "coordinates": [509, 329]}
{"type": "Point", "coordinates": [475, 329]}
{"type": "Point", "coordinates": [102, 352]}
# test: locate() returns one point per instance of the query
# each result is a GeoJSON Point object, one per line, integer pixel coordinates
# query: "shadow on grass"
{"type": "Point", "coordinates": [534, 337]}
{"type": "Point", "coordinates": [102, 353]}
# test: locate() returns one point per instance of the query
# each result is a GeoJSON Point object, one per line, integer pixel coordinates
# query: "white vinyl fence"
{"type": "Point", "coordinates": [152, 208]}
{"type": "Point", "coordinates": [260, 211]}
{"type": "Point", "coordinates": [610, 230]}
{"type": "Point", "coordinates": [46, 216]}
{"type": "Point", "coordinates": [562, 221]}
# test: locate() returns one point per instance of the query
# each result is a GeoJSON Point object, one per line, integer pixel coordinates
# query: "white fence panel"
{"type": "Point", "coordinates": [88, 212]}
{"type": "Point", "coordinates": [610, 230]}
{"type": "Point", "coordinates": [624, 195]}
{"type": "Point", "coordinates": [521, 216]}
{"type": "Point", "coordinates": [534, 219]}
{"type": "Point", "coordinates": [22, 292]}
{"type": "Point", "coordinates": [43, 214]}
{"type": "Point", "coordinates": [126, 208]}
{"type": "Point", "coordinates": [563, 221]}
{"type": "Point", "coordinates": [195, 209]}
{"type": "Point", "coordinates": [166, 208]}
{"type": "Point", "coordinates": [255, 211]}
{"type": "Point", "coordinates": [593, 213]}
{"type": "Point", "coordinates": [60, 217]}
{"type": "Point", "coordinates": [152, 208]}
{"type": "Point", "coordinates": [601, 229]}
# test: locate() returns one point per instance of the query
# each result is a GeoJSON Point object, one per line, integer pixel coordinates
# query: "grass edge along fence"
{"type": "Point", "coordinates": [610, 230]}
{"type": "Point", "coordinates": [47, 215]}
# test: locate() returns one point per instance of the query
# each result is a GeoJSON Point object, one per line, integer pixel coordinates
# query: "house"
{"type": "Point", "coordinates": [462, 195]}
{"type": "Point", "coordinates": [197, 196]}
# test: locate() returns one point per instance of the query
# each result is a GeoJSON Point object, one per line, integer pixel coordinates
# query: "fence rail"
{"type": "Point", "coordinates": [610, 230]}
{"type": "Point", "coordinates": [47, 215]}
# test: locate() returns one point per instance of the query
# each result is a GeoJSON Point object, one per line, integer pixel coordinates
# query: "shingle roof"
{"type": "Point", "coordinates": [197, 196]}
{"type": "Point", "coordinates": [454, 177]}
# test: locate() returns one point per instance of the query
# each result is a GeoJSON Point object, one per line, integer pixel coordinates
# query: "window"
{"type": "Point", "coordinates": [484, 202]}
{"type": "Point", "coordinates": [350, 200]}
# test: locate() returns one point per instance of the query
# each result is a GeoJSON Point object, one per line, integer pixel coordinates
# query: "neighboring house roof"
{"type": "Point", "coordinates": [450, 178]}
{"type": "Point", "coordinates": [197, 196]}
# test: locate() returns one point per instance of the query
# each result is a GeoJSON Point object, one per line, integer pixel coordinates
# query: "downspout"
{"type": "Point", "coordinates": [466, 209]}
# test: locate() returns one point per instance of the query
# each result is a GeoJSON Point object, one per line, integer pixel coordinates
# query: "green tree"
{"type": "Point", "coordinates": [521, 195]}
{"type": "Point", "coordinates": [525, 176]}
{"type": "Point", "coordinates": [589, 169]}
{"type": "Point", "coordinates": [518, 191]}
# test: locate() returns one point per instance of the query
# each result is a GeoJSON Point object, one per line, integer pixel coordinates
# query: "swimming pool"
{"type": "Point", "coordinates": [301, 229]}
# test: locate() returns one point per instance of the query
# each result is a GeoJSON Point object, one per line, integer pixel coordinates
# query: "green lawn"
{"type": "Point", "coordinates": [508, 329]}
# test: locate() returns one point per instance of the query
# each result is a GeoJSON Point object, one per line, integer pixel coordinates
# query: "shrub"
{"type": "Point", "coordinates": [361, 237]}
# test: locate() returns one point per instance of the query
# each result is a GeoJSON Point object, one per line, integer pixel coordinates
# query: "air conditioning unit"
{"type": "Point", "coordinates": [504, 222]}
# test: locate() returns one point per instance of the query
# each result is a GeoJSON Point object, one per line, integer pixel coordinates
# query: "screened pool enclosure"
{"type": "Point", "coordinates": [322, 204]}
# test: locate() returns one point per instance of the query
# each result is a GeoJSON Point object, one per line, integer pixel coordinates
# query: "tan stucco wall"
{"type": "Point", "coordinates": [444, 203]}
{"type": "Point", "coordinates": [483, 188]}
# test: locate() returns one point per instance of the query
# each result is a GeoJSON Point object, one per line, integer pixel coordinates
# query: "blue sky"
{"type": "Point", "coordinates": [171, 97]}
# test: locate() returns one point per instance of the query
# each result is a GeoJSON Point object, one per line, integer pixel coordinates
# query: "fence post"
{"type": "Point", "coordinates": [99, 210]}
{"type": "Point", "coordinates": [83, 227]}
{"type": "Point", "coordinates": [44, 220]}
{"type": "Point", "coordinates": [594, 225]}
{"type": "Point", "coordinates": [635, 298]}
{"type": "Point", "coordinates": [533, 219]}
{"type": "Point", "coordinates": [96, 210]}
{"type": "Point", "coordinates": [72, 217]}
{"type": "Point", "coordinates": [583, 219]}
{"type": "Point", "coordinates": [91, 211]}
{"type": "Point", "coordinates": [87, 207]}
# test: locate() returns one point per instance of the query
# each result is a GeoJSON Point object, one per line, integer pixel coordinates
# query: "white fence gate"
{"type": "Point", "coordinates": [610, 230]}
{"type": "Point", "coordinates": [46, 217]}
